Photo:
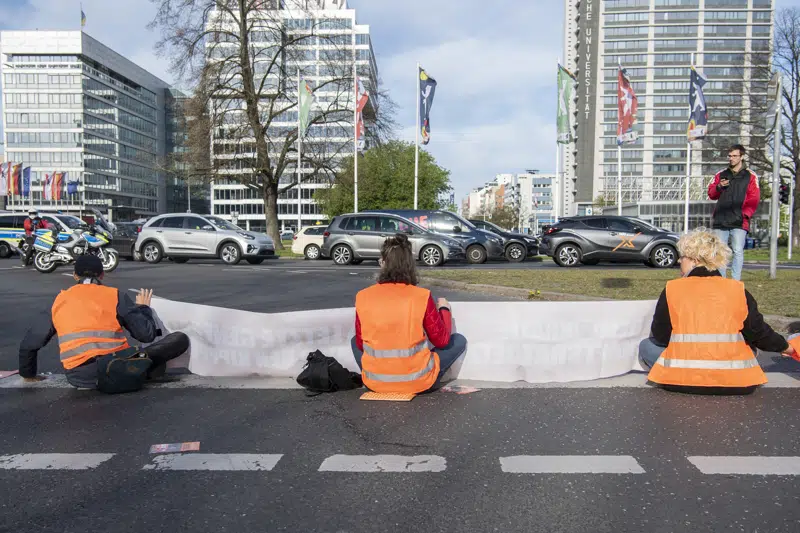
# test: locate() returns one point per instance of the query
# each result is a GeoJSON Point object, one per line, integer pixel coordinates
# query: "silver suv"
{"type": "Point", "coordinates": [352, 238]}
{"type": "Point", "coordinates": [187, 236]}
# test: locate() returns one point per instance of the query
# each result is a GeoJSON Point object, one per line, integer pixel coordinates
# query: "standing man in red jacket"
{"type": "Point", "coordinates": [32, 223]}
{"type": "Point", "coordinates": [737, 194]}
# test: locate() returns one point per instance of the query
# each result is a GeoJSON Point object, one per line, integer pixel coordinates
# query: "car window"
{"type": "Point", "coordinates": [173, 222]}
{"type": "Point", "coordinates": [618, 224]}
{"type": "Point", "coordinates": [51, 221]}
{"type": "Point", "coordinates": [446, 223]}
{"type": "Point", "coordinates": [317, 231]}
{"type": "Point", "coordinates": [362, 224]}
{"type": "Point", "coordinates": [221, 223]}
{"type": "Point", "coordinates": [7, 221]}
{"type": "Point", "coordinates": [157, 223]}
{"type": "Point", "coordinates": [596, 223]}
{"type": "Point", "coordinates": [71, 222]}
{"type": "Point", "coordinates": [196, 223]}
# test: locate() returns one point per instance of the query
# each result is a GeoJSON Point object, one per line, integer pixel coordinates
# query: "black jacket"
{"type": "Point", "coordinates": [756, 332]}
{"type": "Point", "coordinates": [137, 319]}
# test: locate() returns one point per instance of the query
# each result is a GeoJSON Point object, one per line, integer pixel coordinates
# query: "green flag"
{"type": "Point", "coordinates": [566, 82]}
{"type": "Point", "coordinates": [305, 98]}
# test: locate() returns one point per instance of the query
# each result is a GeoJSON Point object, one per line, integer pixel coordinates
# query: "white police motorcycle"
{"type": "Point", "coordinates": [53, 251]}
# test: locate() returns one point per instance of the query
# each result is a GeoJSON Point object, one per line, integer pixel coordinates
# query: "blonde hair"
{"type": "Point", "coordinates": [704, 248]}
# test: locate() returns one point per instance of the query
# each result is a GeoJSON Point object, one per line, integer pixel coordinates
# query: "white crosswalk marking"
{"type": "Point", "coordinates": [53, 461]}
{"type": "Point", "coordinates": [750, 466]}
{"type": "Point", "coordinates": [383, 463]}
{"type": "Point", "coordinates": [570, 464]}
{"type": "Point", "coordinates": [215, 461]}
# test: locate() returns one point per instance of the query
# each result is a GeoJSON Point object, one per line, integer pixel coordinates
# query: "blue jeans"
{"type": "Point", "coordinates": [447, 355]}
{"type": "Point", "coordinates": [649, 352]}
{"type": "Point", "coordinates": [737, 238]}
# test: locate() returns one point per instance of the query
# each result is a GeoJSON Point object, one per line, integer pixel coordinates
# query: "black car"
{"type": "Point", "coordinates": [518, 246]}
{"type": "Point", "coordinates": [124, 238]}
{"type": "Point", "coordinates": [592, 239]}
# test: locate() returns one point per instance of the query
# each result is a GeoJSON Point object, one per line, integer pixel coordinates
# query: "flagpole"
{"type": "Point", "coordinates": [355, 133]}
{"type": "Point", "coordinates": [688, 171]}
{"type": "Point", "coordinates": [416, 145]}
{"type": "Point", "coordinates": [560, 190]}
{"type": "Point", "coordinates": [299, 160]}
{"type": "Point", "coordinates": [619, 156]}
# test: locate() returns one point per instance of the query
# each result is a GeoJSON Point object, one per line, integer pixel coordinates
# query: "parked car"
{"type": "Point", "coordinates": [124, 239]}
{"type": "Point", "coordinates": [188, 236]}
{"type": "Point", "coordinates": [308, 242]}
{"type": "Point", "coordinates": [480, 245]}
{"type": "Point", "coordinates": [517, 246]}
{"type": "Point", "coordinates": [12, 229]}
{"type": "Point", "coordinates": [352, 238]}
{"type": "Point", "coordinates": [287, 236]}
{"type": "Point", "coordinates": [591, 239]}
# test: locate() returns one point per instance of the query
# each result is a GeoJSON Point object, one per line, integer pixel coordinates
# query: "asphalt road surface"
{"type": "Point", "coordinates": [626, 459]}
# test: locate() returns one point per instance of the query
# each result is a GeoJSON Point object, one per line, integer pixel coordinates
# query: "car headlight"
{"type": "Point", "coordinates": [530, 241]}
{"type": "Point", "coordinates": [246, 236]}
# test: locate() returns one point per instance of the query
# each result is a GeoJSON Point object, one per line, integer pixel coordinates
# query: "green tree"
{"type": "Point", "coordinates": [386, 181]}
{"type": "Point", "coordinates": [506, 217]}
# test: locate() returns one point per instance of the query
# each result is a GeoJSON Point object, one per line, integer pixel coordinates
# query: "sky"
{"type": "Point", "coordinates": [494, 61]}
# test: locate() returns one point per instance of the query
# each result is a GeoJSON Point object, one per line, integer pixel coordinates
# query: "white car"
{"type": "Point", "coordinates": [308, 242]}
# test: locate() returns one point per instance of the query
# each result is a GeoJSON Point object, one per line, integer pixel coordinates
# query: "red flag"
{"type": "Point", "coordinates": [14, 181]}
{"type": "Point", "coordinates": [627, 106]}
{"type": "Point", "coordinates": [362, 97]}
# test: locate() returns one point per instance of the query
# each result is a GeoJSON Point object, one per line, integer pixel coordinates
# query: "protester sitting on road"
{"type": "Point", "coordinates": [706, 328]}
{"type": "Point", "coordinates": [403, 341]}
{"type": "Point", "coordinates": [89, 319]}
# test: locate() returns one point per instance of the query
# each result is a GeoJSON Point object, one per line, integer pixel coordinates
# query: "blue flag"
{"type": "Point", "coordinates": [427, 88]}
{"type": "Point", "coordinates": [698, 112]}
{"type": "Point", "coordinates": [72, 186]}
{"type": "Point", "coordinates": [26, 182]}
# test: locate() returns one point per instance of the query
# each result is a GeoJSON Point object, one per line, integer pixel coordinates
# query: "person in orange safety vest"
{"type": "Point", "coordinates": [403, 339]}
{"type": "Point", "coordinates": [706, 328]}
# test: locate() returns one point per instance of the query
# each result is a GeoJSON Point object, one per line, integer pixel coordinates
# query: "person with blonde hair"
{"type": "Point", "coordinates": [403, 340]}
{"type": "Point", "coordinates": [706, 328]}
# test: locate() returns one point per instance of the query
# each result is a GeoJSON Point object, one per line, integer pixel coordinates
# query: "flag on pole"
{"type": "Point", "coordinates": [362, 97]}
{"type": "Point", "coordinates": [72, 185]}
{"type": "Point", "coordinates": [566, 81]}
{"type": "Point", "coordinates": [57, 185]}
{"type": "Point", "coordinates": [698, 112]}
{"type": "Point", "coordinates": [47, 187]}
{"type": "Point", "coordinates": [83, 18]}
{"type": "Point", "coordinates": [427, 88]}
{"type": "Point", "coordinates": [627, 107]}
{"type": "Point", "coordinates": [14, 180]}
{"type": "Point", "coordinates": [5, 171]}
{"type": "Point", "coordinates": [304, 99]}
{"type": "Point", "coordinates": [26, 182]}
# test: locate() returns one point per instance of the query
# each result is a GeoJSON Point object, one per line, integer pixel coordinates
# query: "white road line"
{"type": "Point", "coordinates": [215, 461]}
{"type": "Point", "coordinates": [749, 466]}
{"type": "Point", "coordinates": [53, 461]}
{"type": "Point", "coordinates": [383, 463]}
{"type": "Point", "coordinates": [570, 464]}
{"type": "Point", "coordinates": [66, 274]}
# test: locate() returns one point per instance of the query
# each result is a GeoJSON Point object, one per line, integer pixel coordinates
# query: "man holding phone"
{"type": "Point", "coordinates": [737, 193]}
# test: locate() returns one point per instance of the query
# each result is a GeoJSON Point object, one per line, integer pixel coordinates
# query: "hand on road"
{"type": "Point", "coordinates": [789, 352]}
{"type": "Point", "coordinates": [35, 379]}
{"type": "Point", "coordinates": [441, 302]}
{"type": "Point", "coordinates": [144, 296]}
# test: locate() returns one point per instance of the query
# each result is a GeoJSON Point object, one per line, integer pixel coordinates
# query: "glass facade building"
{"type": "Point", "coordinates": [71, 104]}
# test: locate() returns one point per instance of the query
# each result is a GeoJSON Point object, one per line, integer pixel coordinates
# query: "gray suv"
{"type": "Point", "coordinates": [352, 238]}
{"type": "Point", "coordinates": [187, 236]}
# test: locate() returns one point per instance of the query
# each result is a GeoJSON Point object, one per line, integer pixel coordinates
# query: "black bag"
{"type": "Point", "coordinates": [325, 374]}
{"type": "Point", "coordinates": [123, 371]}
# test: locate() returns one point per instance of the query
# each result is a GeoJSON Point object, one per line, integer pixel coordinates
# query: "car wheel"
{"type": "Point", "coordinates": [230, 253]}
{"type": "Point", "coordinates": [152, 253]}
{"type": "Point", "coordinates": [568, 255]}
{"type": "Point", "coordinates": [590, 262]}
{"type": "Point", "coordinates": [432, 256]}
{"type": "Point", "coordinates": [476, 255]}
{"type": "Point", "coordinates": [255, 261]}
{"type": "Point", "coordinates": [311, 252]}
{"type": "Point", "coordinates": [515, 253]}
{"type": "Point", "coordinates": [5, 250]}
{"type": "Point", "coordinates": [342, 255]}
{"type": "Point", "coordinates": [180, 260]}
{"type": "Point", "coordinates": [663, 256]}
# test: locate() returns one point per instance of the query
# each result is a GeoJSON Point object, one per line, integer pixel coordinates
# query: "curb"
{"type": "Point", "coordinates": [777, 322]}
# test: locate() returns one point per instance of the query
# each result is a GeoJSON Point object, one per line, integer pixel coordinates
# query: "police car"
{"type": "Point", "coordinates": [12, 228]}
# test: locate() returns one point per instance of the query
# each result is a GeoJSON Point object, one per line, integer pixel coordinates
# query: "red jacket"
{"type": "Point", "coordinates": [29, 227]}
{"type": "Point", "coordinates": [437, 324]}
{"type": "Point", "coordinates": [737, 202]}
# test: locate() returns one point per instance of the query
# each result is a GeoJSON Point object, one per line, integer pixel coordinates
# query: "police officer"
{"type": "Point", "coordinates": [31, 224]}
{"type": "Point", "coordinates": [90, 320]}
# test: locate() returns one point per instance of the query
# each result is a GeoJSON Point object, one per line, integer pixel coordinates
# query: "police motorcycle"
{"type": "Point", "coordinates": [53, 250]}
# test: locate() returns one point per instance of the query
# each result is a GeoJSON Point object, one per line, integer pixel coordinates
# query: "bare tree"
{"type": "Point", "coordinates": [733, 112]}
{"type": "Point", "coordinates": [243, 58]}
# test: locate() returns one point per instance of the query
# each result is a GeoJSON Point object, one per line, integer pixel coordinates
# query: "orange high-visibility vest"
{"type": "Point", "coordinates": [706, 348]}
{"type": "Point", "coordinates": [397, 355]}
{"type": "Point", "coordinates": [85, 318]}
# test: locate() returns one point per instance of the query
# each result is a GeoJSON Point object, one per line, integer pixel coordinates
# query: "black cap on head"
{"type": "Point", "coordinates": [88, 266]}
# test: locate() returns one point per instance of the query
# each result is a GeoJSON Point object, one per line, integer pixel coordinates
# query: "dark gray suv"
{"type": "Point", "coordinates": [589, 240]}
{"type": "Point", "coordinates": [353, 238]}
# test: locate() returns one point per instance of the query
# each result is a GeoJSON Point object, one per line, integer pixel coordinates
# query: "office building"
{"type": "Point", "coordinates": [337, 38]}
{"type": "Point", "coordinates": [187, 188]}
{"type": "Point", "coordinates": [530, 194]}
{"type": "Point", "coordinates": [655, 40]}
{"type": "Point", "coordinates": [72, 105]}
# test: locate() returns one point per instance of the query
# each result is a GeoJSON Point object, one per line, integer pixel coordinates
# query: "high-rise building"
{"type": "Point", "coordinates": [73, 105]}
{"type": "Point", "coordinates": [337, 38]}
{"type": "Point", "coordinates": [187, 187]}
{"type": "Point", "coordinates": [531, 194]}
{"type": "Point", "coordinates": [655, 41]}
